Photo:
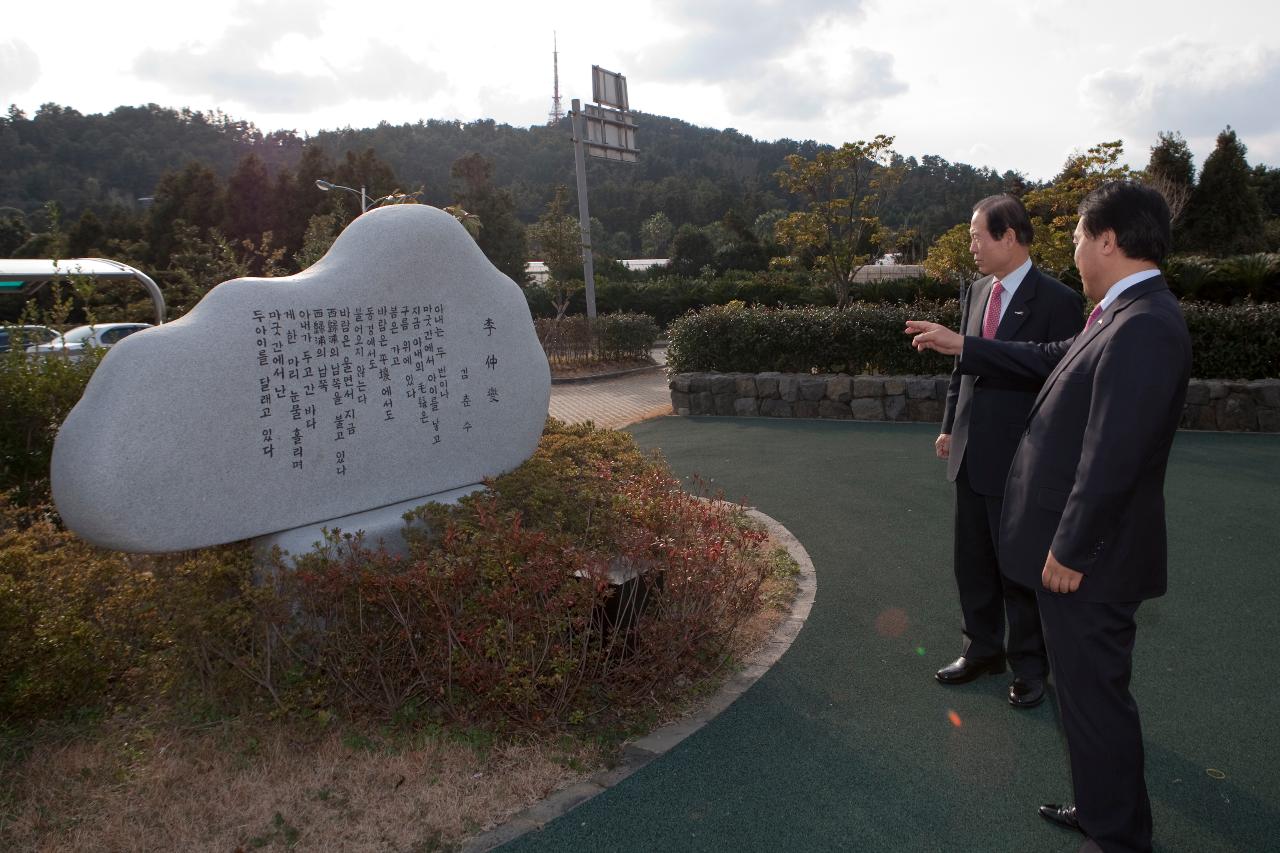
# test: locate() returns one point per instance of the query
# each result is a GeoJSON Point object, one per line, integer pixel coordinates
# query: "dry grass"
{"type": "Point", "coordinates": [135, 786]}
{"type": "Point", "coordinates": [135, 790]}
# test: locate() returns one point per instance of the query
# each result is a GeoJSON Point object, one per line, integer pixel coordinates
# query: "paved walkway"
{"type": "Point", "coordinates": [617, 401]}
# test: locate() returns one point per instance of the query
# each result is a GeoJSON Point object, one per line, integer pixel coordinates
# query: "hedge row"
{"type": "Point", "coordinates": [616, 337]}
{"type": "Point", "coordinates": [1225, 280]}
{"type": "Point", "coordinates": [668, 297]}
{"type": "Point", "coordinates": [864, 338]}
{"type": "Point", "coordinates": [1227, 341]}
{"type": "Point", "coordinates": [1234, 341]}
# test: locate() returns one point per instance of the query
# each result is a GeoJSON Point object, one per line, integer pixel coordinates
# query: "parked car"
{"type": "Point", "coordinates": [99, 335]}
{"type": "Point", "coordinates": [21, 337]}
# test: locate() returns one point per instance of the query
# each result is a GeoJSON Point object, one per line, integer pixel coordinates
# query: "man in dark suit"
{"type": "Point", "coordinates": [1084, 502]}
{"type": "Point", "coordinates": [980, 431]}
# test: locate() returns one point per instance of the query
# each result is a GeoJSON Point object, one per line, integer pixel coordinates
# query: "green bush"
{"type": "Point", "coordinates": [666, 297]}
{"type": "Point", "coordinates": [1234, 341]}
{"type": "Point", "coordinates": [864, 338]}
{"type": "Point", "coordinates": [1227, 341]}
{"type": "Point", "coordinates": [1225, 281]}
{"type": "Point", "coordinates": [38, 393]}
{"type": "Point", "coordinates": [82, 629]}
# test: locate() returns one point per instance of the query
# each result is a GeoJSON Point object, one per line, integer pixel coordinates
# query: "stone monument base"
{"type": "Point", "coordinates": [382, 526]}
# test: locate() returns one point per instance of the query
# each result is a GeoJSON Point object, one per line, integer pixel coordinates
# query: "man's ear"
{"type": "Point", "coordinates": [1107, 242]}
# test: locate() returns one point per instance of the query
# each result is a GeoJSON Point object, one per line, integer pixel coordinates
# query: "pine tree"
{"type": "Point", "coordinates": [1224, 216]}
{"type": "Point", "coordinates": [501, 236]}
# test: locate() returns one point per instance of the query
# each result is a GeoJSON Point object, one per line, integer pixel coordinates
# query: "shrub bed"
{"type": "Point", "coordinates": [37, 395]}
{"type": "Point", "coordinates": [506, 615]}
{"type": "Point", "coordinates": [617, 337]}
{"type": "Point", "coordinates": [667, 297]}
{"type": "Point", "coordinates": [1239, 342]}
{"type": "Point", "coordinates": [864, 338]}
{"type": "Point", "coordinates": [1225, 280]}
{"type": "Point", "coordinates": [510, 616]}
{"type": "Point", "coordinates": [1234, 341]}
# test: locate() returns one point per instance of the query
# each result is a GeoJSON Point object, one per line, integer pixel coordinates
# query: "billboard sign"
{"type": "Point", "coordinates": [609, 88]}
{"type": "Point", "coordinates": [610, 134]}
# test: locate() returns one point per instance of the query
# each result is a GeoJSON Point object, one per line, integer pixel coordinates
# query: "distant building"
{"type": "Point", "coordinates": [887, 272]}
{"type": "Point", "coordinates": [537, 273]}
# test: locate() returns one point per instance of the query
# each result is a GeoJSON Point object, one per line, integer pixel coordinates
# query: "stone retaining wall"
{"type": "Point", "coordinates": [1211, 404]}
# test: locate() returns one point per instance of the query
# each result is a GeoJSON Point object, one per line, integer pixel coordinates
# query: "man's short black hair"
{"type": "Point", "coordinates": [1003, 212]}
{"type": "Point", "coordinates": [1137, 214]}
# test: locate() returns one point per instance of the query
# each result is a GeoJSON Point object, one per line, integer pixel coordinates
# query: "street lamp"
{"type": "Point", "coordinates": [322, 184]}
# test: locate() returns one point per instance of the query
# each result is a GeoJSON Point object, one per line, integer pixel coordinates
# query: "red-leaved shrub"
{"type": "Point", "coordinates": [579, 587]}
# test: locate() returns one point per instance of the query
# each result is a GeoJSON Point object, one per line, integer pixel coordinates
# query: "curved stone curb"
{"type": "Point", "coordinates": [639, 753]}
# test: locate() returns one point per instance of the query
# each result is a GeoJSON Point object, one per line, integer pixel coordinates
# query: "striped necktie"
{"type": "Point", "coordinates": [992, 320]}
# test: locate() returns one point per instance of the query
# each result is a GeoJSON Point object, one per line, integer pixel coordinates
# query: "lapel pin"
{"type": "Point", "coordinates": [1018, 313]}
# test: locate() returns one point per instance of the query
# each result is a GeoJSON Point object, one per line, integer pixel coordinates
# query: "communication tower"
{"type": "Point", "coordinates": [556, 112]}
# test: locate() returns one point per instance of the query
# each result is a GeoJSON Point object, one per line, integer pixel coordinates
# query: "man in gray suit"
{"type": "Point", "coordinates": [1084, 502]}
{"type": "Point", "coordinates": [983, 422]}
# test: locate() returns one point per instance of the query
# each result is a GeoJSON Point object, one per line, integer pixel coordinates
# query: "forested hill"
{"type": "Point", "coordinates": [692, 174]}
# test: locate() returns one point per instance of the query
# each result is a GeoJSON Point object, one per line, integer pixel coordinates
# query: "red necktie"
{"type": "Point", "coordinates": [1093, 317]}
{"type": "Point", "coordinates": [993, 311]}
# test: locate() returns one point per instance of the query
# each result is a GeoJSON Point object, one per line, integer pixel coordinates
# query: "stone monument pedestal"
{"type": "Point", "coordinates": [383, 527]}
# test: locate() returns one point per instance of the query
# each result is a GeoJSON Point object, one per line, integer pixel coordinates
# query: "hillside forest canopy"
{"type": "Point", "coordinates": [196, 198]}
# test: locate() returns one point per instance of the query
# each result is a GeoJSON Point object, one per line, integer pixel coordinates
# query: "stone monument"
{"type": "Point", "coordinates": [402, 367]}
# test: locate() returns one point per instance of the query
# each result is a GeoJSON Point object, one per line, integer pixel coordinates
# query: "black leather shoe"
{"type": "Point", "coordinates": [1026, 693]}
{"type": "Point", "coordinates": [963, 670]}
{"type": "Point", "coordinates": [1064, 816]}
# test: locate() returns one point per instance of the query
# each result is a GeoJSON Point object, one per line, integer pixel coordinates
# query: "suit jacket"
{"type": "Point", "coordinates": [985, 415]}
{"type": "Point", "coordinates": [1087, 480]}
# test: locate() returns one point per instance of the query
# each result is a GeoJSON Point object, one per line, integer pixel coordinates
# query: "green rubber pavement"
{"type": "Point", "coordinates": [848, 743]}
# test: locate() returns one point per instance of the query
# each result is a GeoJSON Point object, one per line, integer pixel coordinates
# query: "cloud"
{"type": "Point", "coordinates": [19, 67]}
{"type": "Point", "coordinates": [860, 79]}
{"type": "Point", "coordinates": [723, 40]}
{"type": "Point", "coordinates": [243, 65]}
{"type": "Point", "coordinates": [773, 59]}
{"type": "Point", "coordinates": [1192, 87]}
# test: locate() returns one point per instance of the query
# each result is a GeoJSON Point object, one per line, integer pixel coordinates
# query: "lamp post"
{"type": "Point", "coordinates": [322, 184]}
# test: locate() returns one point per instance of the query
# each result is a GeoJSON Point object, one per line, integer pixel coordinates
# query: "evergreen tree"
{"type": "Point", "coordinates": [13, 232]}
{"type": "Point", "coordinates": [85, 238]}
{"type": "Point", "coordinates": [1172, 172]}
{"type": "Point", "coordinates": [557, 238]}
{"type": "Point", "coordinates": [367, 170]}
{"type": "Point", "coordinates": [248, 201]}
{"type": "Point", "coordinates": [1266, 182]}
{"type": "Point", "coordinates": [1224, 216]}
{"type": "Point", "coordinates": [655, 236]}
{"type": "Point", "coordinates": [501, 236]}
{"type": "Point", "coordinates": [691, 250]}
{"type": "Point", "coordinates": [193, 197]}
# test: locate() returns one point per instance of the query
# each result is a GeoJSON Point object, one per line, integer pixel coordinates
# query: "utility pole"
{"type": "Point", "coordinates": [605, 133]}
{"type": "Point", "coordinates": [584, 217]}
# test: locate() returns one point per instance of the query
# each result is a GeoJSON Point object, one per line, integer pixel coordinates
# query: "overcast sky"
{"type": "Point", "coordinates": [1016, 87]}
